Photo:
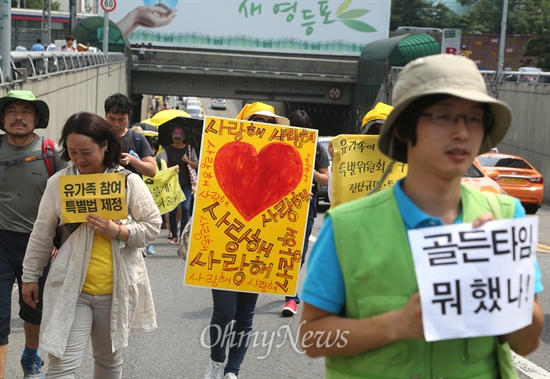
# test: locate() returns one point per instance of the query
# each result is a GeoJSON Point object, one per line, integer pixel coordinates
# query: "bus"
{"type": "Point", "coordinates": [26, 26]}
{"type": "Point", "coordinates": [417, 29]}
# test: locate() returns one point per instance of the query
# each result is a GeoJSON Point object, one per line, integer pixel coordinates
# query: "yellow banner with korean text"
{"type": "Point", "coordinates": [165, 189]}
{"type": "Point", "coordinates": [251, 206]}
{"type": "Point", "coordinates": [358, 167]}
{"type": "Point", "coordinates": [101, 194]}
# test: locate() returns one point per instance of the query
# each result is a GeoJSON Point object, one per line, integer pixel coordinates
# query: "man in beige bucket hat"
{"type": "Point", "coordinates": [362, 307]}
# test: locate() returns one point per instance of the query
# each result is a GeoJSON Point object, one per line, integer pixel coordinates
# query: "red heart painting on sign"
{"type": "Point", "coordinates": [253, 181]}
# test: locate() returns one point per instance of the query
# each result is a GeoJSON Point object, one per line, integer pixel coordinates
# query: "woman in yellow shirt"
{"type": "Point", "coordinates": [98, 285]}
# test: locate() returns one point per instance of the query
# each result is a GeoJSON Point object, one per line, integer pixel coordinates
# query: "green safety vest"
{"type": "Point", "coordinates": [379, 277]}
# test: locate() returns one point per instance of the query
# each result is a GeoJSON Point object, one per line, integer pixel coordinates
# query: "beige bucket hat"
{"type": "Point", "coordinates": [442, 74]}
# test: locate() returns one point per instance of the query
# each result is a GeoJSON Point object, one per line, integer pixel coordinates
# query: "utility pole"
{"type": "Point", "coordinates": [46, 21]}
{"type": "Point", "coordinates": [502, 46]}
{"type": "Point", "coordinates": [5, 39]}
{"type": "Point", "coordinates": [106, 32]}
{"type": "Point", "coordinates": [73, 11]}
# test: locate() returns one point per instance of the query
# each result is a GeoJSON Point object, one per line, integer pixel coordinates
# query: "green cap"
{"type": "Point", "coordinates": [40, 105]}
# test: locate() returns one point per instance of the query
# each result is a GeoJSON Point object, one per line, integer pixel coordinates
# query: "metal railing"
{"type": "Point", "coordinates": [252, 63]}
{"type": "Point", "coordinates": [27, 65]}
{"type": "Point", "coordinates": [505, 76]}
{"type": "Point", "coordinates": [526, 77]}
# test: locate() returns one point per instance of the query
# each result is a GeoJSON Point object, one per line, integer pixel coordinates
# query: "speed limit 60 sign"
{"type": "Point", "coordinates": [108, 5]}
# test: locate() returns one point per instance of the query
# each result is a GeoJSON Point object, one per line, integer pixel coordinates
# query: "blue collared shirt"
{"type": "Point", "coordinates": [324, 283]}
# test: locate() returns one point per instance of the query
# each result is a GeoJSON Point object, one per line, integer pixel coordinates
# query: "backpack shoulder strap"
{"type": "Point", "coordinates": [159, 161]}
{"type": "Point", "coordinates": [126, 173]}
{"type": "Point", "coordinates": [48, 150]}
{"type": "Point", "coordinates": [137, 141]}
{"type": "Point", "coordinates": [168, 149]}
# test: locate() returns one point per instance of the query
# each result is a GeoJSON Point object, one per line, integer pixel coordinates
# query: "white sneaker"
{"type": "Point", "coordinates": [230, 375]}
{"type": "Point", "coordinates": [214, 370]}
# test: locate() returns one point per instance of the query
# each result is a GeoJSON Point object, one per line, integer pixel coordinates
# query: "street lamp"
{"type": "Point", "coordinates": [46, 21]}
{"type": "Point", "coordinates": [502, 46]}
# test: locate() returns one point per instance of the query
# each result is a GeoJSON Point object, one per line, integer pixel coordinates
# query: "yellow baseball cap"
{"type": "Point", "coordinates": [378, 114]}
{"type": "Point", "coordinates": [263, 109]}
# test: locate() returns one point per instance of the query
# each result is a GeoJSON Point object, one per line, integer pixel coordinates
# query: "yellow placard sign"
{"type": "Point", "coordinates": [358, 167]}
{"type": "Point", "coordinates": [251, 206]}
{"type": "Point", "coordinates": [166, 190]}
{"type": "Point", "coordinates": [102, 194]}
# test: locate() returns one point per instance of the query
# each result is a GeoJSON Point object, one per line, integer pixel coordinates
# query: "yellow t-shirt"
{"type": "Point", "coordinates": [99, 278]}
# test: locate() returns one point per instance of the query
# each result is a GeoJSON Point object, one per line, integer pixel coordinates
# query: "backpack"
{"type": "Point", "coordinates": [48, 155]}
{"type": "Point", "coordinates": [48, 151]}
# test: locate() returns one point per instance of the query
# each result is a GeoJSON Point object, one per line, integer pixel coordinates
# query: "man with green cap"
{"type": "Point", "coordinates": [362, 309]}
{"type": "Point", "coordinates": [25, 167]}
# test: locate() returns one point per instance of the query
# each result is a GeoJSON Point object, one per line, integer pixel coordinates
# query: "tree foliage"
{"type": "Point", "coordinates": [422, 13]}
{"type": "Point", "coordinates": [34, 4]}
{"type": "Point", "coordinates": [527, 17]}
{"type": "Point", "coordinates": [539, 47]}
{"type": "Point", "coordinates": [408, 13]}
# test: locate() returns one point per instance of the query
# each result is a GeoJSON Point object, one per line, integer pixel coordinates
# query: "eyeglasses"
{"type": "Point", "coordinates": [268, 121]}
{"type": "Point", "coordinates": [446, 119]}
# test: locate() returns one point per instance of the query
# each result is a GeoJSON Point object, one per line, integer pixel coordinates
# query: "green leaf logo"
{"type": "Point", "coordinates": [360, 26]}
{"type": "Point", "coordinates": [356, 13]}
{"type": "Point", "coordinates": [348, 17]}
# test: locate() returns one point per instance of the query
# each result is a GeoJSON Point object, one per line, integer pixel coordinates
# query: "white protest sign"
{"type": "Point", "coordinates": [475, 282]}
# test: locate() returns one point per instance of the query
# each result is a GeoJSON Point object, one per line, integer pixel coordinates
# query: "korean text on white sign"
{"type": "Point", "coordinates": [476, 282]}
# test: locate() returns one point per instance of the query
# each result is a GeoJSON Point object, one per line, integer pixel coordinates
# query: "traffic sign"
{"type": "Point", "coordinates": [108, 5]}
{"type": "Point", "coordinates": [335, 93]}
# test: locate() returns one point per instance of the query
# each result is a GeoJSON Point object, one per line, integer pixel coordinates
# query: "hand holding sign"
{"type": "Point", "coordinates": [476, 281]}
{"type": "Point", "coordinates": [408, 321]}
{"type": "Point", "coordinates": [104, 227]}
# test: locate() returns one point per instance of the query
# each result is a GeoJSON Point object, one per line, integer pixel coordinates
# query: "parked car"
{"type": "Point", "coordinates": [482, 181]}
{"type": "Point", "coordinates": [530, 70]}
{"type": "Point", "coordinates": [193, 102]}
{"type": "Point", "coordinates": [517, 177]}
{"type": "Point", "coordinates": [218, 103]}
{"type": "Point", "coordinates": [194, 111]}
{"type": "Point", "coordinates": [322, 191]}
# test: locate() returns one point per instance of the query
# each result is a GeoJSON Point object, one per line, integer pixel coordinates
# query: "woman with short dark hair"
{"type": "Point", "coordinates": [98, 285]}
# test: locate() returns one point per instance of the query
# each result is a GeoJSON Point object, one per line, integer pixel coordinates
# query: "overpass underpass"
{"type": "Point", "coordinates": [322, 86]}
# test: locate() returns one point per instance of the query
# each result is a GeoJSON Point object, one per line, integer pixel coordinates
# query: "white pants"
{"type": "Point", "coordinates": [92, 319]}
